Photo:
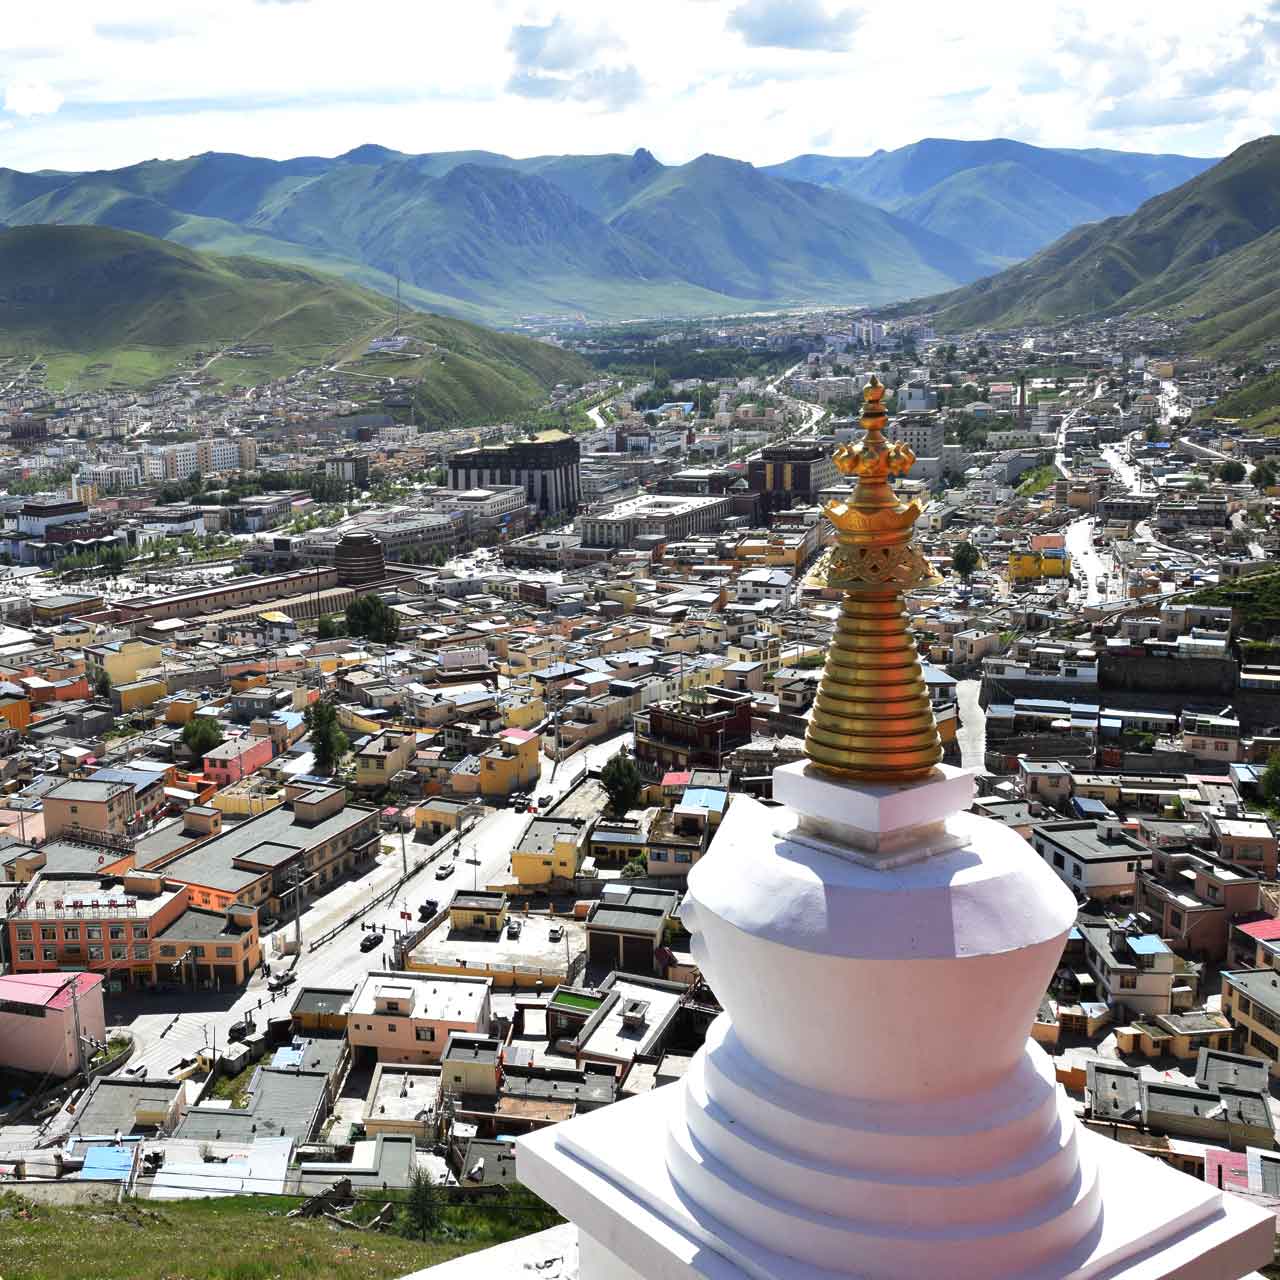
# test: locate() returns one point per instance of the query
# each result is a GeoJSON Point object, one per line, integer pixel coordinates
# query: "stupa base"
{"type": "Point", "coordinates": [606, 1172]}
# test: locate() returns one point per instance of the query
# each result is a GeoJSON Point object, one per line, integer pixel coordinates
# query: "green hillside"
{"type": "Point", "coordinates": [1203, 250]}
{"type": "Point", "coordinates": [1256, 405]}
{"type": "Point", "coordinates": [489, 237]}
{"type": "Point", "coordinates": [101, 307]}
{"type": "Point", "coordinates": [998, 197]}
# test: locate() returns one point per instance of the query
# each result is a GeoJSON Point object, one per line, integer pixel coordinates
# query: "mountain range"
{"type": "Point", "coordinates": [99, 306]}
{"type": "Point", "coordinates": [490, 237]}
{"type": "Point", "coordinates": [1207, 253]}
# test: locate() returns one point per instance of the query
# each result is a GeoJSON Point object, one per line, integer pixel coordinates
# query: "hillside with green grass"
{"type": "Point", "coordinates": [1256, 405]}
{"type": "Point", "coordinates": [105, 307]}
{"type": "Point", "coordinates": [1204, 252]}
{"type": "Point", "coordinates": [998, 197]}
{"type": "Point", "coordinates": [489, 237]}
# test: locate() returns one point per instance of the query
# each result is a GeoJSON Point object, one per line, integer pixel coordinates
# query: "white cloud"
{"type": "Point", "coordinates": [760, 80]}
{"type": "Point", "coordinates": [31, 98]}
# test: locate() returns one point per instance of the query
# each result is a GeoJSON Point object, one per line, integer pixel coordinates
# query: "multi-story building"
{"type": "Point", "coordinates": [409, 1017]}
{"type": "Point", "coordinates": [1136, 971]}
{"type": "Point", "coordinates": [923, 433]}
{"type": "Point", "coordinates": [694, 730]}
{"type": "Point", "coordinates": [383, 756]}
{"type": "Point", "coordinates": [1194, 899]}
{"type": "Point", "coordinates": [790, 474]}
{"type": "Point", "coordinates": [137, 929]}
{"type": "Point", "coordinates": [41, 1014]}
{"type": "Point", "coordinates": [547, 468]}
{"type": "Point", "coordinates": [311, 840]}
{"type": "Point", "coordinates": [1251, 1001]}
{"type": "Point", "coordinates": [94, 811]}
{"type": "Point", "coordinates": [1096, 859]}
{"type": "Point", "coordinates": [655, 515]}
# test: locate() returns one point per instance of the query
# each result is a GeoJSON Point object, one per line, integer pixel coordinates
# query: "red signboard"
{"type": "Point", "coordinates": [404, 915]}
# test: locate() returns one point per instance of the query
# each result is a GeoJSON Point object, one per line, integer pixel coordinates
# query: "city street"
{"type": "Point", "coordinates": [193, 1020]}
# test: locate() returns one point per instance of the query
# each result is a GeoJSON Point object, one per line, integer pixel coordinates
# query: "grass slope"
{"type": "Point", "coordinates": [1172, 251]}
{"type": "Point", "coordinates": [999, 197]}
{"type": "Point", "coordinates": [489, 237]}
{"type": "Point", "coordinates": [104, 306]}
{"type": "Point", "coordinates": [1256, 405]}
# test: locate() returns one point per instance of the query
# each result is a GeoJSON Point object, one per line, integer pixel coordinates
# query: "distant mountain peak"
{"type": "Point", "coordinates": [370, 153]}
{"type": "Point", "coordinates": [643, 161]}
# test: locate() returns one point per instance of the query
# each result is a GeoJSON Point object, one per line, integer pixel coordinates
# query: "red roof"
{"type": "Point", "coordinates": [1261, 930]}
{"type": "Point", "coordinates": [48, 990]}
{"type": "Point", "coordinates": [676, 779]}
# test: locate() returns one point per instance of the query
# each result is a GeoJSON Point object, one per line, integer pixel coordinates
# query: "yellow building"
{"type": "Point", "coordinates": [1032, 566]}
{"type": "Point", "coordinates": [521, 709]}
{"type": "Point", "coordinates": [478, 909]}
{"type": "Point", "coordinates": [383, 756]}
{"type": "Point", "coordinates": [550, 850]}
{"type": "Point", "coordinates": [122, 660]}
{"type": "Point", "coordinates": [511, 765]}
{"type": "Point", "coordinates": [136, 694]}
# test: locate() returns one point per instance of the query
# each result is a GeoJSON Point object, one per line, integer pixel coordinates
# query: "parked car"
{"type": "Point", "coordinates": [370, 941]}
{"type": "Point", "coordinates": [545, 799]}
{"type": "Point", "coordinates": [556, 932]}
{"type": "Point", "coordinates": [429, 907]}
{"type": "Point", "coordinates": [239, 1030]}
{"type": "Point", "coordinates": [444, 871]}
{"type": "Point", "coordinates": [280, 981]}
{"type": "Point", "coordinates": [514, 926]}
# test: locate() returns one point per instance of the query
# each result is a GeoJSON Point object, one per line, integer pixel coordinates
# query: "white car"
{"type": "Point", "coordinates": [444, 871]}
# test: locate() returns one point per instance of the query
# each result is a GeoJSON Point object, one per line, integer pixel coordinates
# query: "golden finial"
{"type": "Point", "coordinates": [872, 719]}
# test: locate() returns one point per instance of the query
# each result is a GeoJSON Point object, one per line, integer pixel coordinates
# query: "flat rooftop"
{"type": "Point", "coordinates": [431, 997]}
{"type": "Point", "coordinates": [612, 1038]}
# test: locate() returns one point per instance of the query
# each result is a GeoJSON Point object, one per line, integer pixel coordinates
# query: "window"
{"type": "Point", "coordinates": [1076, 873]}
{"type": "Point", "coordinates": [93, 932]}
{"type": "Point", "coordinates": [139, 930]}
{"type": "Point", "coordinates": [1214, 893]}
{"type": "Point", "coordinates": [48, 933]}
{"type": "Point", "coordinates": [1128, 981]}
{"type": "Point", "coordinates": [224, 952]}
{"type": "Point", "coordinates": [49, 953]}
{"type": "Point", "coordinates": [24, 933]}
{"type": "Point", "coordinates": [119, 953]}
{"type": "Point", "coordinates": [27, 953]}
{"type": "Point", "coordinates": [1263, 1045]}
{"type": "Point", "coordinates": [71, 933]}
{"type": "Point", "coordinates": [684, 857]}
{"type": "Point", "coordinates": [1175, 919]}
{"type": "Point", "coordinates": [95, 953]}
{"type": "Point", "coordinates": [1059, 861]}
{"type": "Point", "coordinates": [168, 951]}
{"type": "Point", "coordinates": [72, 950]}
{"type": "Point", "coordinates": [116, 933]}
{"type": "Point", "coordinates": [424, 1033]}
{"type": "Point", "coordinates": [393, 1006]}
{"type": "Point", "coordinates": [141, 951]}
{"type": "Point", "coordinates": [391, 1026]}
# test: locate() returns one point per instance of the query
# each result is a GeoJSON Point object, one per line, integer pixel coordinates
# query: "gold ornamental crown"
{"type": "Point", "coordinates": [872, 719]}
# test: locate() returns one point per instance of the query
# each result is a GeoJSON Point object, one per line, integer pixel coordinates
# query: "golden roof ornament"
{"type": "Point", "coordinates": [872, 719]}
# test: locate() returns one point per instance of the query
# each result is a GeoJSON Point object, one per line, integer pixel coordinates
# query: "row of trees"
{"type": "Point", "coordinates": [1233, 472]}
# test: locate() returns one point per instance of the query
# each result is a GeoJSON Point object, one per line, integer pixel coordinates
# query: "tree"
{"type": "Point", "coordinates": [370, 616]}
{"type": "Point", "coordinates": [1271, 779]}
{"type": "Point", "coordinates": [965, 559]}
{"type": "Point", "coordinates": [1232, 472]}
{"type": "Point", "coordinates": [328, 742]}
{"type": "Point", "coordinates": [201, 734]}
{"type": "Point", "coordinates": [1264, 476]}
{"type": "Point", "coordinates": [423, 1202]}
{"type": "Point", "coordinates": [102, 685]}
{"type": "Point", "coordinates": [327, 628]}
{"type": "Point", "coordinates": [622, 783]}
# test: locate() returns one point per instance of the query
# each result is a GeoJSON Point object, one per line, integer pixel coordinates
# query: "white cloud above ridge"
{"type": "Point", "coordinates": [527, 77]}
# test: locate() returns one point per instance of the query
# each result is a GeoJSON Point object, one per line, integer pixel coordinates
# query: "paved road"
{"type": "Point", "coordinates": [972, 734]}
{"type": "Point", "coordinates": [340, 962]}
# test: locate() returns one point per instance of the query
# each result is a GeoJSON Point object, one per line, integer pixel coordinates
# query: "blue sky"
{"type": "Point", "coordinates": [103, 83]}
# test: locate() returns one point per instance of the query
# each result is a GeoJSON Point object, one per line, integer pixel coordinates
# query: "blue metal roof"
{"type": "Point", "coordinates": [705, 798]}
{"type": "Point", "coordinates": [1147, 944]}
{"type": "Point", "coordinates": [107, 1164]}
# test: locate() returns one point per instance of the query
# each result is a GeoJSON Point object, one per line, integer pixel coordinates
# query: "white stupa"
{"type": "Point", "coordinates": [869, 1104]}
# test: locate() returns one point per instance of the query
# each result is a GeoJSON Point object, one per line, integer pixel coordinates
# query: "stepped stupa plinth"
{"type": "Point", "coordinates": [870, 1103]}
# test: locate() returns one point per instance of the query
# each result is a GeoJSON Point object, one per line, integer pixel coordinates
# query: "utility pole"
{"type": "Point", "coordinates": [75, 1021]}
{"type": "Point", "coordinates": [295, 879]}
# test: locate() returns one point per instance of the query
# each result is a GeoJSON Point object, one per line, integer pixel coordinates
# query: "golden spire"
{"type": "Point", "coordinates": [872, 719]}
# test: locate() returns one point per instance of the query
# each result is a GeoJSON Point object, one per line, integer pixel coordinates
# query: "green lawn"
{"type": "Point", "coordinates": [1037, 481]}
{"type": "Point", "coordinates": [238, 1238]}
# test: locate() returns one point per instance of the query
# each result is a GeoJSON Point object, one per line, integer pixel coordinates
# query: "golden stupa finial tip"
{"type": "Point", "coordinates": [872, 719]}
